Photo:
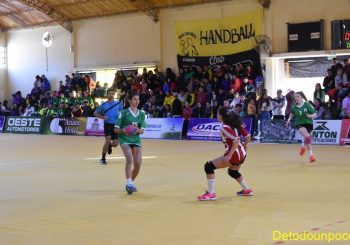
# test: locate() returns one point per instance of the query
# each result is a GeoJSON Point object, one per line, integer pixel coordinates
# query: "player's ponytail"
{"type": "Point", "coordinates": [230, 117]}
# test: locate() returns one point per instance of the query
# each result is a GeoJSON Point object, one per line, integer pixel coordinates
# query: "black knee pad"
{"type": "Point", "coordinates": [209, 167]}
{"type": "Point", "coordinates": [234, 173]}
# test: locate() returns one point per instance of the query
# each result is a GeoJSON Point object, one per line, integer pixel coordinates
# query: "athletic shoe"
{"type": "Point", "coordinates": [103, 162]}
{"type": "Point", "coordinates": [130, 189]}
{"type": "Point", "coordinates": [312, 159]}
{"type": "Point", "coordinates": [248, 192]}
{"type": "Point", "coordinates": [302, 151]}
{"type": "Point", "coordinates": [109, 149]}
{"type": "Point", "coordinates": [207, 197]}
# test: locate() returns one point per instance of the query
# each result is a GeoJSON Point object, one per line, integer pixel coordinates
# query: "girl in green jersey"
{"type": "Point", "coordinates": [130, 142]}
{"type": "Point", "coordinates": [303, 113]}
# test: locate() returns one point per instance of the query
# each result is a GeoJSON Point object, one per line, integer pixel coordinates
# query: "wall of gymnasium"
{"type": "Point", "coordinates": [116, 40]}
{"type": "Point", "coordinates": [3, 71]}
{"type": "Point", "coordinates": [27, 58]}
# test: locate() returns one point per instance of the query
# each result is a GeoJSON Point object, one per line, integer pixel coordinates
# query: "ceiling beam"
{"type": "Point", "coordinates": [45, 8]}
{"type": "Point", "coordinates": [147, 8]}
{"type": "Point", "coordinates": [18, 11]}
{"type": "Point", "coordinates": [265, 3]}
{"type": "Point", "coordinates": [63, 5]}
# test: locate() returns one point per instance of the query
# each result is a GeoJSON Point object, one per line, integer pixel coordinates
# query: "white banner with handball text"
{"type": "Point", "coordinates": [163, 128]}
{"type": "Point", "coordinates": [325, 132]}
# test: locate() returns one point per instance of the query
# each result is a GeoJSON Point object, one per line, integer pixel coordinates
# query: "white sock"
{"type": "Point", "coordinates": [311, 153]}
{"type": "Point", "coordinates": [303, 144]}
{"type": "Point", "coordinates": [244, 185]}
{"type": "Point", "coordinates": [129, 181]}
{"type": "Point", "coordinates": [211, 183]}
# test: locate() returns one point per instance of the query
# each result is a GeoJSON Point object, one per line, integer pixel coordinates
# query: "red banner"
{"type": "Point", "coordinates": [345, 132]}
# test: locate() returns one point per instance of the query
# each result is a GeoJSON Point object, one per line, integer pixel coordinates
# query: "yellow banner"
{"type": "Point", "coordinates": [218, 36]}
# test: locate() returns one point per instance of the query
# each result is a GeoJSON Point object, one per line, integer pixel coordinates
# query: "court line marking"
{"type": "Point", "coordinates": [121, 157]}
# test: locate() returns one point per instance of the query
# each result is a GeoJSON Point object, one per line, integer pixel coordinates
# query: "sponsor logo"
{"type": "Point", "coordinates": [206, 127]}
{"type": "Point", "coordinates": [24, 125]}
{"type": "Point", "coordinates": [64, 126]}
{"type": "Point", "coordinates": [216, 60]}
{"type": "Point", "coordinates": [322, 133]}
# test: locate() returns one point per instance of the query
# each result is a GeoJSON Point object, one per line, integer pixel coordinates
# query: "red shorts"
{"type": "Point", "coordinates": [238, 157]}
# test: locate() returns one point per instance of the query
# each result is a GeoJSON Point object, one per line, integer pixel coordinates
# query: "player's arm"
{"type": "Point", "coordinates": [142, 129]}
{"type": "Point", "coordinates": [245, 135]}
{"type": "Point", "coordinates": [291, 115]}
{"type": "Point", "coordinates": [117, 125]}
{"type": "Point", "coordinates": [311, 112]}
{"type": "Point", "coordinates": [98, 113]}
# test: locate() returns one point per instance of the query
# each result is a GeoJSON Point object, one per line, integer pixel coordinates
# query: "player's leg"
{"type": "Point", "coordinates": [129, 165]}
{"type": "Point", "coordinates": [307, 139]}
{"type": "Point", "coordinates": [113, 143]}
{"type": "Point", "coordinates": [234, 173]}
{"type": "Point", "coordinates": [209, 167]}
{"type": "Point", "coordinates": [105, 149]}
{"type": "Point", "coordinates": [137, 157]}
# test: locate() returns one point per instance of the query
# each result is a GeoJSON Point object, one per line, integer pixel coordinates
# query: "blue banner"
{"type": "Point", "coordinates": [2, 122]}
{"type": "Point", "coordinates": [209, 129]}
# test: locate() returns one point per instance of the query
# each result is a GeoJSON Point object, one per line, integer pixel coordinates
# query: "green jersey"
{"type": "Point", "coordinates": [300, 112]}
{"type": "Point", "coordinates": [126, 118]}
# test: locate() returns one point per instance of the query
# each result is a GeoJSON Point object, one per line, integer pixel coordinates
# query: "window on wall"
{"type": "Point", "coordinates": [2, 57]}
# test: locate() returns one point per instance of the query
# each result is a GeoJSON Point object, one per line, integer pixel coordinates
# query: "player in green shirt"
{"type": "Point", "coordinates": [130, 142]}
{"type": "Point", "coordinates": [303, 113]}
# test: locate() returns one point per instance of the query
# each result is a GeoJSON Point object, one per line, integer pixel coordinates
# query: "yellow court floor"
{"type": "Point", "coordinates": [53, 191]}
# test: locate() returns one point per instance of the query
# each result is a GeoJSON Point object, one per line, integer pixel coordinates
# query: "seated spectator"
{"type": "Point", "coordinates": [29, 111]}
{"type": "Point", "coordinates": [328, 81]}
{"type": "Point", "coordinates": [278, 104]}
{"type": "Point", "coordinates": [167, 111]}
{"type": "Point", "coordinates": [50, 111]}
{"type": "Point", "coordinates": [346, 106]}
{"type": "Point", "coordinates": [208, 113]}
{"type": "Point", "coordinates": [87, 109]}
{"type": "Point", "coordinates": [176, 108]}
{"type": "Point", "coordinates": [169, 99]}
{"type": "Point", "coordinates": [198, 111]}
{"type": "Point", "coordinates": [320, 109]}
{"type": "Point", "coordinates": [5, 110]}
{"type": "Point", "coordinates": [76, 110]}
{"type": "Point", "coordinates": [239, 110]}
{"type": "Point", "coordinates": [17, 98]}
{"type": "Point", "coordinates": [60, 110]}
{"type": "Point", "coordinates": [16, 110]}
{"type": "Point", "coordinates": [67, 111]}
{"type": "Point", "coordinates": [187, 111]}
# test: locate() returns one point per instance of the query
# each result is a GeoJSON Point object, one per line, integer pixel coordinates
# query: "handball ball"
{"type": "Point", "coordinates": [131, 129]}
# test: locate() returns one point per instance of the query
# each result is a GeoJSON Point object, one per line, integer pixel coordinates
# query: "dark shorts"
{"type": "Point", "coordinates": [309, 127]}
{"type": "Point", "coordinates": [109, 131]}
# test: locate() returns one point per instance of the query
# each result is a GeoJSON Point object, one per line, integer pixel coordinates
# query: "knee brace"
{"type": "Point", "coordinates": [307, 140]}
{"type": "Point", "coordinates": [209, 167]}
{"type": "Point", "coordinates": [234, 173]}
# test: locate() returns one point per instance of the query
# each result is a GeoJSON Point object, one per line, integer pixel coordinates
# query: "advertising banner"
{"type": "Point", "coordinates": [209, 129]}
{"type": "Point", "coordinates": [94, 127]}
{"type": "Point", "coordinates": [2, 122]}
{"type": "Point", "coordinates": [221, 36]}
{"type": "Point", "coordinates": [345, 132]}
{"type": "Point", "coordinates": [275, 131]}
{"type": "Point", "coordinates": [23, 125]}
{"type": "Point", "coordinates": [326, 132]}
{"type": "Point", "coordinates": [65, 126]}
{"type": "Point", "coordinates": [163, 128]}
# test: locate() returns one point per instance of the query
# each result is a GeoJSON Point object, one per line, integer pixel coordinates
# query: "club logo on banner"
{"type": "Point", "coordinates": [209, 129]}
{"type": "Point", "coordinates": [222, 36]}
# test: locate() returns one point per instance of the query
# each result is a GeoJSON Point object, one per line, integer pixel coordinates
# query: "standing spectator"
{"type": "Point", "coordinates": [176, 107]}
{"type": "Point", "coordinates": [278, 104]}
{"type": "Point", "coordinates": [346, 106]}
{"type": "Point", "coordinates": [265, 106]}
{"type": "Point", "coordinates": [187, 111]}
{"type": "Point", "coordinates": [335, 66]}
{"type": "Point", "coordinates": [328, 81]}
{"type": "Point", "coordinates": [45, 84]}
{"type": "Point", "coordinates": [208, 113]}
{"type": "Point", "coordinates": [319, 94]}
{"type": "Point", "coordinates": [17, 98]}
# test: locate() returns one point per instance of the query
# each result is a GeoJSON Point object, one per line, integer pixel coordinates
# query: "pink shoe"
{"type": "Point", "coordinates": [248, 192]}
{"type": "Point", "coordinates": [207, 197]}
